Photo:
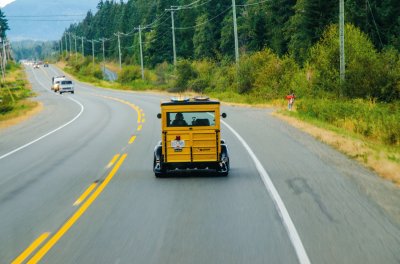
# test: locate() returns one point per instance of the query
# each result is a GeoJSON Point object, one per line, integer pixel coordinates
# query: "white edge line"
{"type": "Point", "coordinates": [51, 132]}
{"type": "Point", "coordinates": [279, 205]}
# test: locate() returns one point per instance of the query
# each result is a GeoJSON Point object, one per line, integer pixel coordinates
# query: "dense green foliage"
{"type": "Point", "coordinates": [204, 29]}
{"type": "Point", "coordinates": [3, 25]}
{"type": "Point", "coordinates": [375, 121]}
{"type": "Point", "coordinates": [284, 45]}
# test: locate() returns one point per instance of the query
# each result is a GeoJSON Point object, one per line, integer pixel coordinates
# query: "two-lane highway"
{"type": "Point", "coordinates": [85, 191]}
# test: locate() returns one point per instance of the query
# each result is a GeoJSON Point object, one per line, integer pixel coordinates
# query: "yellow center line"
{"type": "Point", "coordinates": [140, 127]}
{"type": "Point", "coordinates": [85, 194]}
{"type": "Point", "coordinates": [132, 139]}
{"type": "Point", "coordinates": [31, 248]}
{"type": "Point", "coordinates": [57, 236]}
{"type": "Point", "coordinates": [111, 163]}
{"type": "Point", "coordinates": [143, 120]}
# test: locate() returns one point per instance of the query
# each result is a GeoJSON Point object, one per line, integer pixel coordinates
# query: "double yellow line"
{"type": "Point", "coordinates": [71, 221]}
{"type": "Point", "coordinates": [93, 191]}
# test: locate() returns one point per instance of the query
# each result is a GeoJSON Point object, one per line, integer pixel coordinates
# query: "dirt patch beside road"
{"type": "Point", "coordinates": [353, 148]}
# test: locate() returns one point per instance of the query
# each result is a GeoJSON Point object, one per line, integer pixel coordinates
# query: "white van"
{"type": "Point", "coordinates": [66, 86]}
{"type": "Point", "coordinates": [56, 82]}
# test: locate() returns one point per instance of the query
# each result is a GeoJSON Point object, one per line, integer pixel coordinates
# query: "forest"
{"type": "Point", "coordinates": [293, 34]}
{"type": "Point", "coordinates": [284, 45]}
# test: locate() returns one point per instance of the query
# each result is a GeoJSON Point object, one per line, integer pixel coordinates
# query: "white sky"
{"type": "Point", "coordinates": [3, 3]}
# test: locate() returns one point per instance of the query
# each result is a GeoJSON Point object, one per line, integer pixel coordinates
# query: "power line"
{"type": "Point", "coordinates": [190, 6]}
{"type": "Point", "coordinates": [376, 26]}
{"type": "Point", "coordinates": [47, 16]}
{"type": "Point", "coordinates": [197, 25]}
{"type": "Point", "coordinates": [45, 20]}
{"type": "Point", "coordinates": [253, 4]}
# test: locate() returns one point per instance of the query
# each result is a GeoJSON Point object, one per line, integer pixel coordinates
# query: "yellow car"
{"type": "Point", "coordinates": [191, 137]}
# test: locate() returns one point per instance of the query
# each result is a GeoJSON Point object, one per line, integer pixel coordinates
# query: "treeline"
{"type": "Point", "coordinates": [34, 50]}
{"type": "Point", "coordinates": [284, 45]}
{"type": "Point", "coordinates": [204, 28]}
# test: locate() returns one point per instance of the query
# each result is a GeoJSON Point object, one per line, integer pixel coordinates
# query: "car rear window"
{"type": "Point", "coordinates": [182, 119]}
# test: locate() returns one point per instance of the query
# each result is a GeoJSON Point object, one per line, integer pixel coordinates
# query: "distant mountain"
{"type": "Point", "coordinates": [58, 13]}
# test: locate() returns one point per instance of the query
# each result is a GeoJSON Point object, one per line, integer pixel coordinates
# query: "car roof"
{"type": "Point", "coordinates": [190, 101]}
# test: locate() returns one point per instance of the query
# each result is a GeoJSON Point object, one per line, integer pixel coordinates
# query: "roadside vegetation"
{"type": "Point", "coordinates": [14, 93]}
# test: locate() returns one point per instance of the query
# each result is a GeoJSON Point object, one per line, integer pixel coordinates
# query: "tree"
{"type": "Point", "coordinates": [203, 41]}
{"type": "Point", "coordinates": [3, 25]}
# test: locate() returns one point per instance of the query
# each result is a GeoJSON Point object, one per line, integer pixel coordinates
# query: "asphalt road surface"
{"type": "Point", "coordinates": [76, 186]}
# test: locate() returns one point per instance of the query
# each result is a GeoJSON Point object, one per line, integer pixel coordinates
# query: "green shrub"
{"type": "Point", "coordinates": [372, 120]}
{"type": "Point", "coordinates": [129, 74]}
{"type": "Point", "coordinates": [368, 73]}
{"type": "Point", "coordinates": [185, 73]}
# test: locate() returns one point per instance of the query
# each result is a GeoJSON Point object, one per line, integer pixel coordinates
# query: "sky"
{"type": "Point", "coordinates": [3, 3]}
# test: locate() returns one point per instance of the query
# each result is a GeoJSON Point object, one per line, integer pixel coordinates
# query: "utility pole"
{"type": "Point", "coordinates": [119, 50]}
{"type": "Point", "coordinates": [104, 56]}
{"type": "Point", "coordinates": [61, 45]}
{"type": "Point", "coordinates": [141, 51]}
{"type": "Point", "coordinates": [92, 51]}
{"type": "Point", "coordinates": [76, 52]}
{"type": "Point", "coordinates": [66, 45]}
{"type": "Point", "coordinates": [70, 44]}
{"type": "Point", "coordinates": [341, 41]}
{"type": "Point", "coordinates": [173, 31]}
{"type": "Point", "coordinates": [235, 32]}
{"type": "Point", "coordinates": [83, 50]}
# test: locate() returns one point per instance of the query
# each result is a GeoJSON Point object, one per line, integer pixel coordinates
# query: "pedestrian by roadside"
{"type": "Point", "coordinates": [290, 97]}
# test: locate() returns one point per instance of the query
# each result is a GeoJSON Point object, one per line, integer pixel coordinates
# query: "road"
{"type": "Point", "coordinates": [109, 75]}
{"type": "Point", "coordinates": [76, 186]}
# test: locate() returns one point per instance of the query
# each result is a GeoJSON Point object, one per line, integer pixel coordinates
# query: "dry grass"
{"type": "Point", "coordinates": [24, 110]}
{"type": "Point", "coordinates": [383, 163]}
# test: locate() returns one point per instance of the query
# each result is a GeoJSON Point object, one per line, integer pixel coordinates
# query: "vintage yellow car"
{"type": "Point", "coordinates": [190, 137]}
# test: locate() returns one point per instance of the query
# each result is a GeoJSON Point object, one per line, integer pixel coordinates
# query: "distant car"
{"type": "Point", "coordinates": [46, 65]}
{"type": "Point", "coordinates": [66, 86]}
{"type": "Point", "coordinates": [36, 66]}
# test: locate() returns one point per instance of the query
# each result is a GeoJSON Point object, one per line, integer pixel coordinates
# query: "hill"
{"type": "Point", "coordinates": [45, 19]}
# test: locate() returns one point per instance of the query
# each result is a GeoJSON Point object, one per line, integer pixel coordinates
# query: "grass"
{"type": "Point", "coordinates": [377, 155]}
{"type": "Point", "coordinates": [14, 92]}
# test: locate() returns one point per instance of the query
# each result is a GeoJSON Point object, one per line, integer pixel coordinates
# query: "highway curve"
{"type": "Point", "coordinates": [76, 186]}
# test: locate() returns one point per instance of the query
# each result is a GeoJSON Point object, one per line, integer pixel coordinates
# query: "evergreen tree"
{"type": "Point", "coordinates": [203, 41]}
{"type": "Point", "coordinates": [3, 25]}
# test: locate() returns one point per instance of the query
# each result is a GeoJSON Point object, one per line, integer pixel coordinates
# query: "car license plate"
{"type": "Point", "coordinates": [178, 144]}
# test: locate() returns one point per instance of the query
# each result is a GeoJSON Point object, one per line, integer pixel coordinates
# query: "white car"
{"type": "Point", "coordinates": [66, 86]}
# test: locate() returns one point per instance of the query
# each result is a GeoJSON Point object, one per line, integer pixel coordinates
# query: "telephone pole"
{"type": "Point", "coordinates": [83, 50]}
{"type": "Point", "coordinates": [104, 55]}
{"type": "Point", "coordinates": [76, 51]}
{"type": "Point", "coordinates": [173, 31]}
{"type": "Point", "coordinates": [70, 44]}
{"type": "Point", "coordinates": [66, 44]}
{"type": "Point", "coordinates": [92, 51]}
{"type": "Point", "coordinates": [235, 32]}
{"type": "Point", "coordinates": [141, 51]}
{"type": "Point", "coordinates": [341, 41]}
{"type": "Point", "coordinates": [119, 50]}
